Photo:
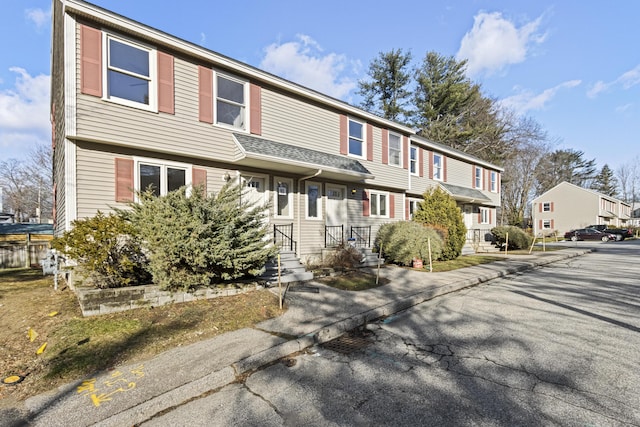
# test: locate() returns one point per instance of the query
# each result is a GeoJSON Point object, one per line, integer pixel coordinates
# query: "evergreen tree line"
{"type": "Point", "coordinates": [436, 98]}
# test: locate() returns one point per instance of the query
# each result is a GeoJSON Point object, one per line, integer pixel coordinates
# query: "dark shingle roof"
{"type": "Point", "coordinates": [467, 193]}
{"type": "Point", "coordinates": [24, 228]}
{"type": "Point", "coordinates": [265, 147]}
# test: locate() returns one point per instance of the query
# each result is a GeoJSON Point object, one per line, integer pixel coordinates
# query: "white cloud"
{"type": "Point", "coordinates": [38, 16]}
{"type": "Point", "coordinates": [495, 42]}
{"type": "Point", "coordinates": [24, 113]}
{"type": "Point", "coordinates": [203, 39]}
{"type": "Point", "coordinates": [627, 80]}
{"type": "Point", "coordinates": [303, 62]}
{"type": "Point", "coordinates": [527, 100]}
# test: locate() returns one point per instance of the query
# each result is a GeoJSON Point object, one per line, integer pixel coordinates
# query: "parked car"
{"type": "Point", "coordinates": [621, 233]}
{"type": "Point", "coordinates": [589, 234]}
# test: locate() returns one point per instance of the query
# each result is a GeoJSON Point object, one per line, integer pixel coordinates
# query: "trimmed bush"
{"type": "Point", "coordinates": [518, 238]}
{"type": "Point", "coordinates": [108, 253]}
{"type": "Point", "coordinates": [439, 210]}
{"type": "Point", "coordinates": [197, 240]}
{"type": "Point", "coordinates": [343, 256]}
{"type": "Point", "coordinates": [403, 241]}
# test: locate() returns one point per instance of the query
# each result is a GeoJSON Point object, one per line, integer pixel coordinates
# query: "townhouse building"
{"type": "Point", "coordinates": [567, 206]}
{"type": "Point", "coordinates": [133, 107]}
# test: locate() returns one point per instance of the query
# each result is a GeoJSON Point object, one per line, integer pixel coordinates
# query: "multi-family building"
{"type": "Point", "coordinates": [567, 206]}
{"type": "Point", "coordinates": [133, 106]}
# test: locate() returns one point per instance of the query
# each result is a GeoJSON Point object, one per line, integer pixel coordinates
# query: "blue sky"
{"type": "Point", "coordinates": [571, 65]}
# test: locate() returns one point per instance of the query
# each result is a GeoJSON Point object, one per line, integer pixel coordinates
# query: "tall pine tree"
{"type": "Point", "coordinates": [605, 182]}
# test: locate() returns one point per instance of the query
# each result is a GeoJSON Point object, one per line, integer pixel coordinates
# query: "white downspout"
{"type": "Point", "coordinates": [299, 222]}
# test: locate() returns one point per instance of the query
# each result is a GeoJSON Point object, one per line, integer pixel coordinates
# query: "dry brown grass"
{"type": "Point", "coordinates": [78, 346]}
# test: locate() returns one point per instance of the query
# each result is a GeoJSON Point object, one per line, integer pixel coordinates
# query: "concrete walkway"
{"type": "Point", "coordinates": [132, 394]}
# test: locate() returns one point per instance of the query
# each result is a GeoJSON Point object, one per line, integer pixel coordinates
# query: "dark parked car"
{"type": "Point", "coordinates": [589, 234]}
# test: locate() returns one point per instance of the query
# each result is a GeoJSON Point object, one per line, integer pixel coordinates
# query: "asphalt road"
{"type": "Point", "coordinates": [558, 345]}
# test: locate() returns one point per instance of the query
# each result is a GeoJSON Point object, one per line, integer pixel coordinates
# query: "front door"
{"type": "Point", "coordinates": [468, 216]}
{"type": "Point", "coordinates": [336, 205]}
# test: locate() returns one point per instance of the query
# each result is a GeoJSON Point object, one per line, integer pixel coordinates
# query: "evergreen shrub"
{"type": "Point", "coordinates": [403, 241]}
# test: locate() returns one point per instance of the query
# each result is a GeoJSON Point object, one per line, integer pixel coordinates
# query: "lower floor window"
{"type": "Point", "coordinates": [546, 223]}
{"type": "Point", "coordinates": [379, 204]}
{"type": "Point", "coordinates": [485, 216]}
{"type": "Point", "coordinates": [284, 197]}
{"type": "Point", "coordinates": [161, 179]}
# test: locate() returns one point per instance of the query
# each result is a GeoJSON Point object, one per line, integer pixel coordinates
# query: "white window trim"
{"type": "Point", "coordinates": [246, 95]}
{"type": "Point", "coordinates": [413, 202]}
{"type": "Point", "coordinates": [363, 141]}
{"type": "Point", "coordinates": [477, 179]}
{"type": "Point", "coordinates": [399, 165]}
{"type": "Point", "coordinates": [377, 194]}
{"type": "Point", "coordinates": [441, 169]}
{"type": "Point", "coordinates": [307, 184]}
{"type": "Point", "coordinates": [493, 184]}
{"type": "Point", "coordinates": [289, 181]}
{"type": "Point", "coordinates": [188, 173]}
{"type": "Point", "coordinates": [416, 162]}
{"type": "Point", "coordinates": [153, 73]}
{"type": "Point", "coordinates": [484, 216]}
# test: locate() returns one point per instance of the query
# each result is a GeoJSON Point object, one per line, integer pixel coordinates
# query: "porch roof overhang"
{"type": "Point", "coordinates": [607, 214]}
{"type": "Point", "coordinates": [263, 153]}
{"type": "Point", "coordinates": [464, 194]}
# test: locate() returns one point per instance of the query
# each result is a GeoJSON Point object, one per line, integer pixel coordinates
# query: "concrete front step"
{"type": "Point", "coordinates": [291, 270]}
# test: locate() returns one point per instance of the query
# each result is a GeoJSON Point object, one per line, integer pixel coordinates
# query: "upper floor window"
{"type": "Point", "coordinates": [395, 149]}
{"type": "Point", "coordinates": [478, 177]}
{"type": "Point", "coordinates": [546, 207]}
{"type": "Point", "coordinates": [379, 203]}
{"type": "Point", "coordinates": [437, 167]}
{"type": "Point", "coordinates": [230, 101]}
{"type": "Point", "coordinates": [356, 138]}
{"type": "Point", "coordinates": [161, 178]}
{"type": "Point", "coordinates": [413, 160]}
{"type": "Point", "coordinates": [494, 182]}
{"type": "Point", "coordinates": [130, 73]}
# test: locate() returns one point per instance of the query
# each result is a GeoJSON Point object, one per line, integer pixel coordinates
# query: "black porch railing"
{"type": "Point", "coordinates": [360, 237]}
{"type": "Point", "coordinates": [333, 235]}
{"type": "Point", "coordinates": [283, 237]}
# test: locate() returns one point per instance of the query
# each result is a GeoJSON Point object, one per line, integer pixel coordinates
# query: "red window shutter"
{"type": "Point", "coordinates": [444, 168]}
{"type": "Point", "coordinates": [369, 142]}
{"type": "Point", "coordinates": [166, 103]}
{"type": "Point", "coordinates": [473, 176]}
{"type": "Point", "coordinates": [344, 135]}
{"type": "Point", "coordinates": [485, 177]}
{"type": "Point", "coordinates": [540, 224]}
{"type": "Point", "coordinates": [551, 207]}
{"type": "Point", "coordinates": [407, 214]}
{"type": "Point", "coordinates": [392, 206]}
{"type": "Point", "coordinates": [405, 152]}
{"type": "Point", "coordinates": [199, 177]}
{"type": "Point", "coordinates": [490, 216]}
{"type": "Point", "coordinates": [420, 161]}
{"type": "Point", "coordinates": [540, 207]}
{"type": "Point", "coordinates": [479, 216]}
{"type": "Point", "coordinates": [90, 61]}
{"type": "Point", "coordinates": [366, 209]}
{"type": "Point", "coordinates": [552, 227]}
{"type": "Point", "coordinates": [385, 146]}
{"type": "Point", "coordinates": [430, 164]}
{"type": "Point", "coordinates": [497, 182]}
{"type": "Point", "coordinates": [255, 109]}
{"type": "Point", "coordinates": [205, 94]}
{"type": "Point", "coordinates": [124, 180]}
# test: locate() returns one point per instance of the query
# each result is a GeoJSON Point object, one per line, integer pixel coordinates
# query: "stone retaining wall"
{"type": "Point", "coordinates": [102, 301]}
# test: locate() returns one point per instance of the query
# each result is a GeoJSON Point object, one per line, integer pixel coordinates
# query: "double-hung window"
{"type": "Point", "coordinates": [356, 138]}
{"type": "Point", "coordinates": [485, 217]}
{"type": "Point", "coordinates": [130, 76]}
{"type": "Point", "coordinates": [231, 101]}
{"type": "Point", "coordinates": [161, 178]}
{"type": "Point", "coordinates": [437, 167]}
{"type": "Point", "coordinates": [546, 207]}
{"type": "Point", "coordinates": [546, 224]}
{"type": "Point", "coordinates": [395, 149]}
{"type": "Point", "coordinates": [478, 177]}
{"type": "Point", "coordinates": [379, 204]}
{"type": "Point", "coordinates": [494, 182]}
{"type": "Point", "coordinates": [413, 160]}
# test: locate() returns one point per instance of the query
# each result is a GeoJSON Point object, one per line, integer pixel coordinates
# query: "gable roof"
{"type": "Point", "coordinates": [577, 187]}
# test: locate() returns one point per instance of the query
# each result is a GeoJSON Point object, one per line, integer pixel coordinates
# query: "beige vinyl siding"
{"type": "Point", "coordinates": [58, 101]}
{"type": "Point", "coordinates": [293, 121]}
{"type": "Point", "coordinates": [182, 133]}
{"type": "Point", "coordinates": [459, 172]}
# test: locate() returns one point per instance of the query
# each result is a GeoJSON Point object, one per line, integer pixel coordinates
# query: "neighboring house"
{"type": "Point", "coordinates": [567, 206]}
{"type": "Point", "coordinates": [132, 106]}
{"type": "Point", "coordinates": [635, 215]}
